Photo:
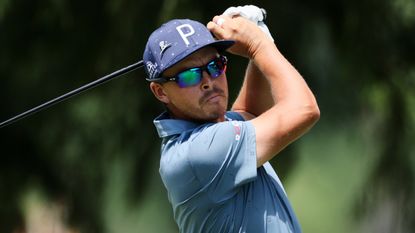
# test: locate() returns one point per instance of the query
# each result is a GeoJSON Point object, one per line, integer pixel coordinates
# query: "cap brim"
{"type": "Point", "coordinates": [220, 45]}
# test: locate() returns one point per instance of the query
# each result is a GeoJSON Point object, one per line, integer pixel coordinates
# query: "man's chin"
{"type": "Point", "coordinates": [217, 115]}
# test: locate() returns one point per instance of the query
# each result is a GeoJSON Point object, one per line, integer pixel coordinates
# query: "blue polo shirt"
{"type": "Point", "coordinates": [213, 184]}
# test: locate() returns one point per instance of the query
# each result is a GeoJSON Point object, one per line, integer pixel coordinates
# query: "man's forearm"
{"type": "Point", "coordinates": [255, 95]}
{"type": "Point", "coordinates": [286, 83]}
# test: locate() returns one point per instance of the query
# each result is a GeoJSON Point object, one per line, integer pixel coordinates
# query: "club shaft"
{"type": "Point", "coordinates": [73, 93]}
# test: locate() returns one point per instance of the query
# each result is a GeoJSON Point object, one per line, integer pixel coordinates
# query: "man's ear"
{"type": "Point", "coordinates": [159, 93]}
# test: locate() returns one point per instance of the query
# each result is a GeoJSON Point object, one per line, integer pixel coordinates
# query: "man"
{"type": "Point", "coordinates": [214, 163]}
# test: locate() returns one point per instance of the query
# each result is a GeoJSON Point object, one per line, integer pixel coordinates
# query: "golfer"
{"type": "Point", "coordinates": [214, 162]}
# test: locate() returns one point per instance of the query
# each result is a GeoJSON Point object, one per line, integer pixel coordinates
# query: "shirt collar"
{"type": "Point", "coordinates": [166, 126]}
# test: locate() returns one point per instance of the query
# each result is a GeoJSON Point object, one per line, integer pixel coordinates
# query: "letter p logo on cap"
{"type": "Point", "coordinates": [185, 33]}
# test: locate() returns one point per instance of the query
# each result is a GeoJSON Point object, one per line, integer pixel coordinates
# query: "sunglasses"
{"type": "Point", "coordinates": [193, 76]}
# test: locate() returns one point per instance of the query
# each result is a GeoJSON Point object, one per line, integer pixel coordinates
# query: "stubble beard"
{"type": "Point", "coordinates": [218, 108]}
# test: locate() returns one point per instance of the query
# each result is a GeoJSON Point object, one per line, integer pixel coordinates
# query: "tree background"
{"type": "Point", "coordinates": [90, 164]}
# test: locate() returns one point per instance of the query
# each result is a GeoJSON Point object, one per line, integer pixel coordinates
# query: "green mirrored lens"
{"type": "Point", "coordinates": [189, 77]}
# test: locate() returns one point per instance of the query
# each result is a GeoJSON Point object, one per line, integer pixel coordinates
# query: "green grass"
{"type": "Point", "coordinates": [333, 166]}
{"type": "Point", "coordinates": [152, 214]}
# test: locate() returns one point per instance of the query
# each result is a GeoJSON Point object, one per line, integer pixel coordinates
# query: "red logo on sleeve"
{"type": "Point", "coordinates": [237, 127]}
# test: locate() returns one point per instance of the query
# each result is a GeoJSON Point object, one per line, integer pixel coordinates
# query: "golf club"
{"type": "Point", "coordinates": [73, 93]}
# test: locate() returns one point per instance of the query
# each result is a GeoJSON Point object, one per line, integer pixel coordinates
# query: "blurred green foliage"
{"type": "Point", "coordinates": [97, 154]}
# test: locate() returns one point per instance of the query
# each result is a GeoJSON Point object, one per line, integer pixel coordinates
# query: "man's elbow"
{"type": "Point", "coordinates": [310, 114]}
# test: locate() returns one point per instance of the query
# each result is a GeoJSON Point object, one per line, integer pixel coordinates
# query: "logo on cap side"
{"type": "Point", "coordinates": [163, 46]}
{"type": "Point", "coordinates": [152, 69]}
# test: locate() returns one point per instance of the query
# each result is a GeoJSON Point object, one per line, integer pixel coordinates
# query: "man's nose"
{"type": "Point", "coordinates": [207, 81]}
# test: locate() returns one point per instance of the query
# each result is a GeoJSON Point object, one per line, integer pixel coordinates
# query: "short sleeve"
{"type": "Point", "coordinates": [223, 157]}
